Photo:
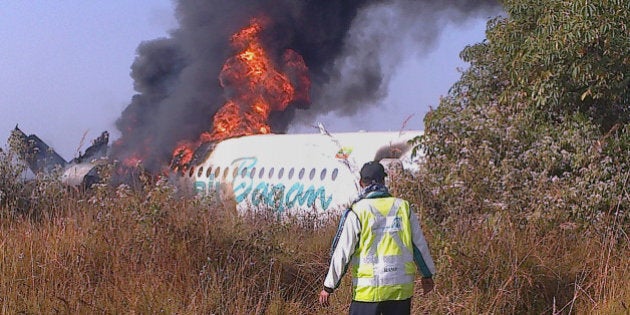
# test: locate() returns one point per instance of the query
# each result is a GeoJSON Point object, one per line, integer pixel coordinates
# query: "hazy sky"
{"type": "Point", "coordinates": [64, 70]}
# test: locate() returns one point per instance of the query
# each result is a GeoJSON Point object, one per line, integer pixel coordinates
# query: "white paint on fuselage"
{"type": "Point", "coordinates": [295, 172]}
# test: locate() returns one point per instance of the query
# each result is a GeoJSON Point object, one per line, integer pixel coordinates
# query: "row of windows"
{"type": "Point", "coordinates": [261, 173]}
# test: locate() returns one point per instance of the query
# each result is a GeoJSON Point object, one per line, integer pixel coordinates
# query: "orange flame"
{"type": "Point", "coordinates": [182, 154]}
{"type": "Point", "coordinates": [256, 88]}
{"type": "Point", "coordinates": [135, 158]}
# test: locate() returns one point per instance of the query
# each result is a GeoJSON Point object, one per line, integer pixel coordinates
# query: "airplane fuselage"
{"type": "Point", "coordinates": [295, 173]}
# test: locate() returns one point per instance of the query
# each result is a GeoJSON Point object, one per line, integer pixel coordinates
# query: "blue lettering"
{"type": "Point", "coordinates": [200, 186]}
{"type": "Point", "coordinates": [242, 195]}
{"type": "Point", "coordinates": [295, 191]}
{"type": "Point", "coordinates": [276, 196]}
{"type": "Point", "coordinates": [257, 195]}
{"type": "Point", "coordinates": [242, 186]}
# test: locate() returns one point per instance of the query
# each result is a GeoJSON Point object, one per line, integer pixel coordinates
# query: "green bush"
{"type": "Point", "coordinates": [539, 124]}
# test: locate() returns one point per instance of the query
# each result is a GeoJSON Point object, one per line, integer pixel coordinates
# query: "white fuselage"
{"type": "Point", "coordinates": [296, 173]}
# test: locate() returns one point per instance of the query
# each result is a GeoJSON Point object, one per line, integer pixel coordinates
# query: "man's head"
{"type": "Point", "coordinates": [372, 172]}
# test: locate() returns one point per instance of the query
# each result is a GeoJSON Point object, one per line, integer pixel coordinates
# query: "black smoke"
{"type": "Point", "coordinates": [349, 47]}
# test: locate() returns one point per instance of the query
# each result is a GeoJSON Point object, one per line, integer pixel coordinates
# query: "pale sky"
{"type": "Point", "coordinates": [64, 70]}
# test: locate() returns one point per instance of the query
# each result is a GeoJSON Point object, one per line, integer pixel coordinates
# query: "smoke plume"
{"type": "Point", "coordinates": [350, 48]}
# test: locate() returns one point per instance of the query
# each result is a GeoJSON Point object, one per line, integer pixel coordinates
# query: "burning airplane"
{"type": "Point", "coordinates": [237, 68]}
{"type": "Point", "coordinates": [217, 96]}
{"type": "Point", "coordinates": [257, 87]}
{"type": "Point", "coordinates": [294, 173]}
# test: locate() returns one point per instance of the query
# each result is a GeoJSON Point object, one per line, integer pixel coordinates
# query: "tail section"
{"type": "Point", "coordinates": [38, 155]}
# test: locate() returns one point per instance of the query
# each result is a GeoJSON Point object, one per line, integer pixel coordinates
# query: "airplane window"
{"type": "Point", "coordinates": [291, 173]}
{"type": "Point", "coordinates": [217, 171]}
{"type": "Point", "coordinates": [262, 171]}
{"type": "Point", "coordinates": [235, 172]}
{"type": "Point", "coordinates": [252, 172]}
{"type": "Point", "coordinates": [225, 172]}
{"type": "Point", "coordinates": [280, 173]}
{"type": "Point", "coordinates": [323, 174]}
{"type": "Point", "coordinates": [301, 175]}
{"type": "Point", "coordinates": [209, 171]}
{"type": "Point", "coordinates": [200, 171]}
{"type": "Point", "coordinates": [244, 172]}
{"type": "Point", "coordinates": [270, 173]}
{"type": "Point", "coordinates": [312, 174]}
{"type": "Point", "coordinates": [334, 174]}
{"type": "Point", "coordinates": [191, 171]}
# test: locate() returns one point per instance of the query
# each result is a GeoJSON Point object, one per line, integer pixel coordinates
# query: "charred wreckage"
{"type": "Point", "coordinates": [81, 171]}
{"type": "Point", "coordinates": [88, 167]}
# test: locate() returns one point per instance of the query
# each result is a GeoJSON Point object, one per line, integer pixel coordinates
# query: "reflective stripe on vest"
{"type": "Point", "coordinates": [390, 274]}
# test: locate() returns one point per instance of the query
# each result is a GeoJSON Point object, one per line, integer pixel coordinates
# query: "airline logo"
{"type": "Point", "coordinates": [252, 190]}
{"type": "Point", "coordinates": [344, 153]}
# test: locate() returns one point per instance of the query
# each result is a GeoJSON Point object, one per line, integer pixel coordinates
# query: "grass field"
{"type": "Point", "coordinates": [116, 250]}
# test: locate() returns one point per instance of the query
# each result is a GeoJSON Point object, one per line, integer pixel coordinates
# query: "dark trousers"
{"type": "Point", "coordinates": [381, 308]}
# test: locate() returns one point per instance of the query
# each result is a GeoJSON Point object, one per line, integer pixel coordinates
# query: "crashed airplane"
{"type": "Point", "coordinates": [82, 171]}
{"type": "Point", "coordinates": [241, 152]}
{"type": "Point", "coordinates": [295, 172]}
{"type": "Point", "coordinates": [288, 173]}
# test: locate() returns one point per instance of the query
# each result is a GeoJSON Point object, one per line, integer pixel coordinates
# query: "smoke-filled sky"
{"type": "Point", "coordinates": [68, 69]}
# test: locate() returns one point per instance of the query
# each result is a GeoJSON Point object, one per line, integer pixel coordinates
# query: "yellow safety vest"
{"type": "Point", "coordinates": [382, 266]}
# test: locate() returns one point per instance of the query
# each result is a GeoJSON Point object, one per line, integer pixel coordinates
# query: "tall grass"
{"type": "Point", "coordinates": [117, 250]}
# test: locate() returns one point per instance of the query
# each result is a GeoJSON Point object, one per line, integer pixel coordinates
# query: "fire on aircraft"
{"type": "Point", "coordinates": [239, 156]}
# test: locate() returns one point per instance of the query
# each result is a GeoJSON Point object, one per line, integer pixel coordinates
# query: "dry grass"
{"type": "Point", "coordinates": [121, 251]}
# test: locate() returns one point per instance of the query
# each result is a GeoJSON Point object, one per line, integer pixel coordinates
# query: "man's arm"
{"type": "Point", "coordinates": [421, 255]}
{"type": "Point", "coordinates": [343, 247]}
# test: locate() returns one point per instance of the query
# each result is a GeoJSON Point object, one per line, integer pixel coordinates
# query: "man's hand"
{"type": "Point", "coordinates": [427, 285]}
{"type": "Point", "coordinates": [323, 298]}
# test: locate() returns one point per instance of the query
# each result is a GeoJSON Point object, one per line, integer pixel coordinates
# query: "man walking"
{"type": "Point", "coordinates": [380, 237]}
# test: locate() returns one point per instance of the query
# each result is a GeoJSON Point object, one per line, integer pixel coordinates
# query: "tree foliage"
{"type": "Point", "coordinates": [540, 122]}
